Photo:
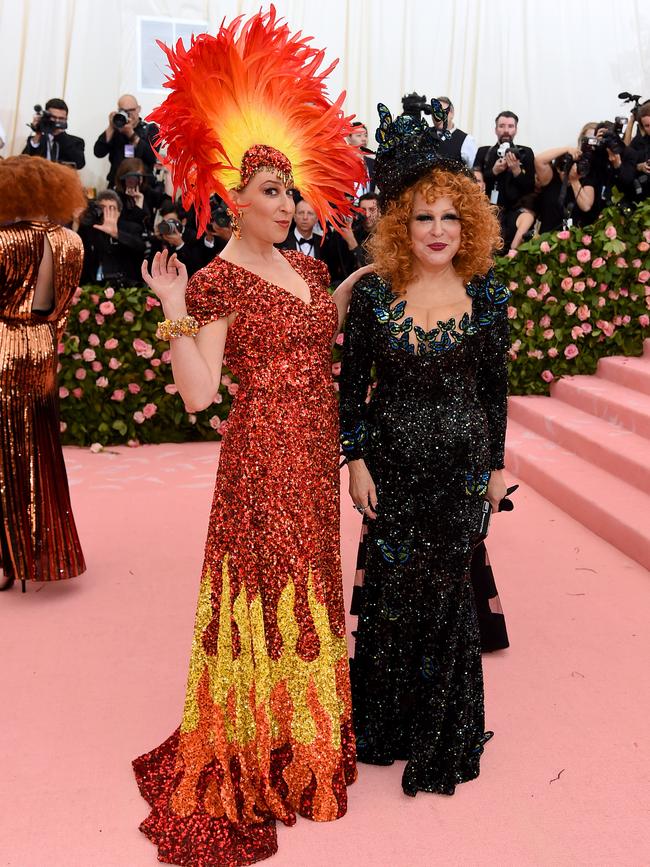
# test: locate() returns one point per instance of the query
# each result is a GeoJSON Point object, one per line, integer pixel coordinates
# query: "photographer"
{"type": "Point", "coordinates": [461, 146]}
{"type": "Point", "coordinates": [508, 171]}
{"type": "Point", "coordinates": [174, 234]}
{"type": "Point", "coordinates": [50, 139]}
{"type": "Point", "coordinates": [127, 136]}
{"type": "Point", "coordinates": [635, 166]}
{"type": "Point", "coordinates": [140, 200]}
{"type": "Point", "coordinates": [114, 246]}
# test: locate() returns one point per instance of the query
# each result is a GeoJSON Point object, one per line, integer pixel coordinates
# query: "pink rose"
{"type": "Point", "coordinates": [151, 302]}
{"type": "Point", "coordinates": [602, 287]}
{"type": "Point", "coordinates": [598, 262]}
{"type": "Point", "coordinates": [512, 314]}
{"type": "Point", "coordinates": [134, 388]}
{"type": "Point", "coordinates": [93, 340]}
{"type": "Point", "coordinates": [544, 289]}
{"type": "Point", "coordinates": [601, 302]}
{"type": "Point", "coordinates": [566, 284]}
{"type": "Point", "coordinates": [579, 286]}
{"type": "Point", "coordinates": [547, 376]}
{"type": "Point", "coordinates": [532, 293]}
{"type": "Point", "coordinates": [618, 320]}
{"type": "Point", "coordinates": [111, 343]}
{"type": "Point", "coordinates": [528, 280]}
{"type": "Point", "coordinates": [563, 257]}
{"type": "Point", "coordinates": [633, 297]}
{"type": "Point", "coordinates": [149, 410]}
{"type": "Point", "coordinates": [114, 363]}
{"type": "Point", "coordinates": [610, 231]}
{"type": "Point", "coordinates": [225, 379]}
{"type": "Point", "coordinates": [155, 362]}
{"type": "Point", "coordinates": [511, 254]}
{"type": "Point", "coordinates": [102, 382]}
{"type": "Point", "coordinates": [591, 282]}
{"type": "Point", "coordinates": [621, 263]}
{"type": "Point", "coordinates": [564, 235]}
{"type": "Point", "coordinates": [339, 339]}
{"type": "Point", "coordinates": [548, 334]}
{"type": "Point", "coordinates": [576, 333]}
{"type": "Point", "coordinates": [138, 417]}
{"type": "Point", "coordinates": [545, 247]}
{"type": "Point", "coordinates": [78, 292]}
{"type": "Point", "coordinates": [83, 315]}
{"type": "Point", "coordinates": [542, 268]}
{"type": "Point", "coordinates": [644, 276]}
{"type": "Point", "coordinates": [571, 351]}
{"type": "Point", "coordinates": [552, 352]}
{"type": "Point", "coordinates": [99, 319]}
{"type": "Point", "coordinates": [77, 392]}
{"type": "Point", "coordinates": [623, 291]}
{"type": "Point", "coordinates": [607, 328]}
{"type": "Point", "coordinates": [149, 374]}
{"type": "Point", "coordinates": [62, 427]}
{"type": "Point", "coordinates": [233, 388]}
{"type": "Point", "coordinates": [60, 348]}
{"type": "Point", "coordinates": [88, 355]}
{"type": "Point", "coordinates": [94, 298]}
{"type": "Point", "coordinates": [574, 270]}
{"type": "Point", "coordinates": [545, 321]}
{"type": "Point", "coordinates": [191, 418]}
{"type": "Point", "coordinates": [336, 368]}
{"type": "Point", "coordinates": [583, 312]}
{"type": "Point", "coordinates": [529, 325]}
{"type": "Point", "coordinates": [643, 246]}
{"type": "Point", "coordinates": [586, 240]}
{"type": "Point", "coordinates": [109, 292]}
{"type": "Point", "coordinates": [166, 356]}
{"type": "Point", "coordinates": [80, 373]}
{"type": "Point", "coordinates": [97, 366]}
{"type": "Point", "coordinates": [612, 295]}
{"type": "Point", "coordinates": [118, 395]}
{"type": "Point", "coordinates": [96, 448]}
{"type": "Point", "coordinates": [535, 353]}
{"type": "Point", "coordinates": [170, 388]}
{"type": "Point", "coordinates": [627, 319]}
{"type": "Point", "coordinates": [512, 286]}
{"type": "Point", "coordinates": [128, 316]}
{"type": "Point", "coordinates": [133, 444]}
{"type": "Point", "coordinates": [215, 421]}
{"type": "Point", "coordinates": [644, 320]}
{"type": "Point", "coordinates": [636, 263]}
{"type": "Point", "coordinates": [107, 308]}
{"type": "Point", "coordinates": [551, 299]}
{"type": "Point", "coordinates": [586, 327]}
{"type": "Point", "coordinates": [142, 348]}
{"type": "Point", "coordinates": [218, 398]}
{"type": "Point", "coordinates": [63, 392]}
{"type": "Point", "coordinates": [646, 235]}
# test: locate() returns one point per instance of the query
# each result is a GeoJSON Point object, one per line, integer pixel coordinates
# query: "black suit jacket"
{"type": "Point", "coordinates": [64, 148]}
{"type": "Point", "coordinates": [340, 260]}
{"type": "Point", "coordinates": [510, 188]}
{"type": "Point", "coordinates": [114, 149]}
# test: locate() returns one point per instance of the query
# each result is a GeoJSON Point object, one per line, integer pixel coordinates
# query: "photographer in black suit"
{"type": "Point", "coordinates": [127, 136]}
{"type": "Point", "coordinates": [50, 139]}
{"type": "Point", "coordinates": [635, 168]}
{"type": "Point", "coordinates": [508, 171]}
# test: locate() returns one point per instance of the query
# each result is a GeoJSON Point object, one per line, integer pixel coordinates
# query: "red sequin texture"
{"type": "Point", "coordinates": [266, 731]}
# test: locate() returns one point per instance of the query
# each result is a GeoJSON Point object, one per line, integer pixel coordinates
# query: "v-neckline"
{"type": "Point", "coordinates": [307, 304]}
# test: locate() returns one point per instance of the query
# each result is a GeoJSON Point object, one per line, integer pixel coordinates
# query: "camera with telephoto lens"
{"type": "Point", "coordinates": [218, 212]}
{"type": "Point", "coordinates": [170, 227]}
{"type": "Point", "coordinates": [120, 118]}
{"type": "Point", "coordinates": [46, 123]}
{"type": "Point", "coordinates": [508, 146]}
{"type": "Point", "coordinates": [93, 215]}
{"type": "Point", "coordinates": [415, 105]}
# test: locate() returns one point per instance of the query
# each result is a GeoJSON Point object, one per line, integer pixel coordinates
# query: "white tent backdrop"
{"type": "Point", "coordinates": [557, 64]}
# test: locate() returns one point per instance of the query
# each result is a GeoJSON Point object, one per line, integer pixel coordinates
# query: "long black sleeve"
{"type": "Point", "coordinates": [355, 379]}
{"type": "Point", "coordinates": [492, 377]}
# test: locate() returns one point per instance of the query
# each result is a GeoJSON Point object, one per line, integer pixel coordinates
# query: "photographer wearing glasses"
{"type": "Point", "coordinates": [635, 167]}
{"type": "Point", "coordinates": [50, 139]}
{"type": "Point", "coordinates": [508, 171]}
{"type": "Point", "coordinates": [127, 136]}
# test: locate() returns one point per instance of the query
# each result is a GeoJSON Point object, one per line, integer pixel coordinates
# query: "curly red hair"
{"type": "Point", "coordinates": [390, 244]}
{"type": "Point", "coordinates": [32, 188]}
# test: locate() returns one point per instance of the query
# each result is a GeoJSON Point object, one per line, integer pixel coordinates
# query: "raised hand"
{"type": "Point", "coordinates": [168, 279]}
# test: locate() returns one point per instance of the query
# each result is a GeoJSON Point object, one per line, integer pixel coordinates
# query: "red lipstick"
{"type": "Point", "coordinates": [437, 246]}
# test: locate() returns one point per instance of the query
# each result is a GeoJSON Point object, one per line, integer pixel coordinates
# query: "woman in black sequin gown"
{"type": "Point", "coordinates": [424, 452]}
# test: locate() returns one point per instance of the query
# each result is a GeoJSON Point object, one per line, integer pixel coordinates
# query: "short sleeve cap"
{"type": "Point", "coordinates": [208, 295]}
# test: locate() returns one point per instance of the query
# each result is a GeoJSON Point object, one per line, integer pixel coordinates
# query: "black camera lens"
{"type": "Point", "coordinates": [169, 227]}
{"type": "Point", "coordinates": [120, 119]}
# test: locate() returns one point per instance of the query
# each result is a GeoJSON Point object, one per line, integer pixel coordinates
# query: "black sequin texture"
{"type": "Point", "coordinates": [430, 434]}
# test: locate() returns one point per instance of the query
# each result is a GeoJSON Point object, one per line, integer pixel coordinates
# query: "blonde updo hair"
{"type": "Point", "coordinates": [390, 244]}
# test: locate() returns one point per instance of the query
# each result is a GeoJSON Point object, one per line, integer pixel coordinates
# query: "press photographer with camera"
{"type": "Point", "coordinates": [508, 171]}
{"type": "Point", "coordinates": [140, 195]}
{"type": "Point", "coordinates": [127, 136]}
{"type": "Point", "coordinates": [176, 234]}
{"type": "Point", "coordinates": [50, 138]}
{"type": "Point", "coordinates": [114, 246]}
{"type": "Point", "coordinates": [635, 167]}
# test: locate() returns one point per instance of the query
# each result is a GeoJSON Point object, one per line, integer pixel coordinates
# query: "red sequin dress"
{"type": "Point", "coordinates": [266, 731]}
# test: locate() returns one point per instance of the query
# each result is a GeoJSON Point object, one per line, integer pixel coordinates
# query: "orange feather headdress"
{"type": "Point", "coordinates": [252, 97]}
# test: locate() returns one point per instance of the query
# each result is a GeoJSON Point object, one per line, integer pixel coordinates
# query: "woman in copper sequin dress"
{"type": "Point", "coordinates": [266, 732]}
{"type": "Point", "coordinates": [40, 264]}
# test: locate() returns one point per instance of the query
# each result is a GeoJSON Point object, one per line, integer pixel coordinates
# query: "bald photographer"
{"type": "Point", "coordinates": [127, 136]}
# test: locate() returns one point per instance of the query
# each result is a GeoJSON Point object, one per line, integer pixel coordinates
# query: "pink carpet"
{"type": "Point", "coordinates": [93, 673]}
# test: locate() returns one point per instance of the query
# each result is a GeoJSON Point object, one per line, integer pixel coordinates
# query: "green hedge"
{"type": "Point", "coordinates": [576, 296]}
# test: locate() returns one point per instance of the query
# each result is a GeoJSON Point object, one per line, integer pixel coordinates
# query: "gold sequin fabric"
{"type": "Point", "coordinates": [266, 731]}
{"type": "Point", "coordinates": [38, 536]}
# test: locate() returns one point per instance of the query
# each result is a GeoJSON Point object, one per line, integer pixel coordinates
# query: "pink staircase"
{"type": "Point", "coordinates": [587, 450]}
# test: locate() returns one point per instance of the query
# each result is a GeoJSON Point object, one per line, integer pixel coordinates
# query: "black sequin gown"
{"type": "Point", "coordinates": [430, 434]}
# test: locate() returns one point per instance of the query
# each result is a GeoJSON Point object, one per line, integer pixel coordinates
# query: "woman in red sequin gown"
{"type": "Point", "coordinates": [266, 732]}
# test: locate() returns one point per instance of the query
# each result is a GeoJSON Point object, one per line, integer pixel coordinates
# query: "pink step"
{"type": "Point", "coordinates": [607, 400]}
{"type": "Point", "coordinates": [633, 373]}
{"type": "Point", "coordinates": [606, 505]}
{"type": "Point", "coordinates": [608, 446]}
